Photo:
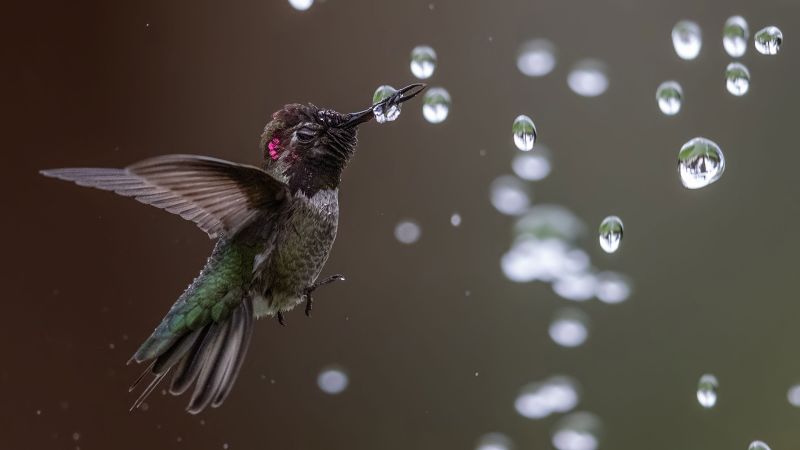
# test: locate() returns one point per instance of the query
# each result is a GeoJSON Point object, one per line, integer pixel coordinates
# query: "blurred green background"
{"type": "Point", "coordinates": [87, 275]}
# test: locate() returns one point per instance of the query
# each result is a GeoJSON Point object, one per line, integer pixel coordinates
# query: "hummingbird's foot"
{"type": "Point", "coordinates": [280, 319]}
{"type": "Point", "coordinates": [310, 298]}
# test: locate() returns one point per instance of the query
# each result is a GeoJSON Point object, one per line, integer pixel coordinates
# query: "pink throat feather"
{"type": "Point", "coordinates": [274, 148]}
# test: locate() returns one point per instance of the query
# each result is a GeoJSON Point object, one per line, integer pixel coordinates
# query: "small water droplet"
{"type": "Point", "coordinates": [533, 166]}
{"type": "Point", "coordinates": [588, 78]}
{"type": "Point", "coordinates": [76, 436]}
{"type": "Point", "coordinates": [610, 234]}
{"type": "Point", "coordinates": [524, 132]}
{"type": "Point", "coordinates": [509, 195]}
{"type": "Point", "coordinates": [700, 163]}
{"type": "Point", "coordinates": [758, 445]}
{"type": "Point", "coordinates": [536, 58]}
{"type": "Point", "coordinates": [332, 380]}
{"type": "Point", "coordinates": [577, 287]}
{"type": "Point", "coordinates": [423, 61]}
{"type": "Point", "coordinates": [569, 327]}
{"type": "Point", "coordinates": [737, 79]}
{"type": "Point", "coordinates": [494, 441]}
{"type": "Point", "coordinates": [735, 35]}
{"type": "Point", "coordinates": [768, 40]}
{"type": "Point", "coordinates": [407, 232]}
{"type": "Point", "coordinates": [612, 287]}
{"type": "Point", "coordinates": [436, 105]}
{"type": "Point", "coordinates": [687, 39]}
{"type": "Point", "coordinates": [455, 219]}
{"type": "Point", "coordinates": [301, 5]}
{"type": "Point", "coordinates": [669, 96]}
{"type": "Point", "coordinates": [707, 391]}
{"type": "Point", "coordinates": [578, 431]}
{"type": "Point", "coordinates": [557, 394]}
{"type": "Point", "coordinates": [383, 114]}
{"type": "Point", "coordinates": [793, 395]}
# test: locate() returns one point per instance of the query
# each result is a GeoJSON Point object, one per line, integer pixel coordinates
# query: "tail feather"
{"type": "Point", "coordinates": [210, 357]}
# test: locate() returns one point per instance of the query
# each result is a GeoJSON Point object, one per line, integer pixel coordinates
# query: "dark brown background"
{"type": "Point", "coordinates": [715, 270]}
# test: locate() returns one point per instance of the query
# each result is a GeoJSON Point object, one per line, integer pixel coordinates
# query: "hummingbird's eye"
{"type": "Point", "coordinates": [305, 135]}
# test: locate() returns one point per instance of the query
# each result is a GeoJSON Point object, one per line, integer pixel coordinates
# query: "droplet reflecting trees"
{"type": "Point", "coordinates": [700, 163]}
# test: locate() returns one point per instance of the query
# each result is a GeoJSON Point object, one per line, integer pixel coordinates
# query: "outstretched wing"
{"type": "Point", "coordinates": [219, 196]}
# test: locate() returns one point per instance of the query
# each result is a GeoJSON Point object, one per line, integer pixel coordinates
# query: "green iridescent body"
{"type": "Point", "coordinates": [212, 296]}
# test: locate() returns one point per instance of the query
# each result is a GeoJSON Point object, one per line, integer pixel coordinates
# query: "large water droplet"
{"type": "Point", "coordinates": [494, 441]}
{"type": "Point", "coordinates": [768, 40]}
{"type": "Point", "coordinates": [687, 39]}
{"type": "Point", "coordinates": [707, 391]}
{"type": "Point", "coordinates": [700, 163]}
{"type": "Point", "coordinates": [588, 78]}
{"type": "Point", "coordinates": [669, 96]}
{"type": "Point", "coordinates": [509, 195]}
{"type": "Point", "coordinates": [524, 132]}
{"type": "Point", "coordinates": [332, 380]}
{"type": "Point", "coordinates": [301, 5]}
{"type": "Point", "coordinates": [758, 445]}
{"type": "Point", "coordinates": [423, 61]}
{"type": "Point", "coordinates": [610, 234]}
{"type": "Point", "coordinates": [737, 79]}
{"type": "Point", "coordinates": [536, 58]}
{"type": "Point", "coordinates": [436, 105]}
{"type": "Point", "coordinates": [532, 166]}
{"type": "Point", "coordinates": [735, 35]}
{"type": "Point", "coordinates": [407, 232]}
{"type": "Point", "coordinates": [383, 114]}
{"type": "Point", "coordinates": [578, 431]}
{"type": "Point", "coordinates": [569, 327]}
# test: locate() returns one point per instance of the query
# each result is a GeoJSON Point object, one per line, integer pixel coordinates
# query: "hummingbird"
{"type": "Point", "coordinates": [274, 227]}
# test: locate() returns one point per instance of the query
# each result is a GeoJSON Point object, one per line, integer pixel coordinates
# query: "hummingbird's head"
{"type": "Point", "coordinates": [310, 146]}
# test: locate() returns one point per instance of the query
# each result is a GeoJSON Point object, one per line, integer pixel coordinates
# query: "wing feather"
{"type": "Point", "coordinates": [219, 196]}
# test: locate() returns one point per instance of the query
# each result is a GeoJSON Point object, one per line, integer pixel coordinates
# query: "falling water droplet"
{"type": "Point", "coordinates": [737, 79]}
{"type": "Point", "coordinates": [383, 114]}
{"type": "Point", "coordinates": [707, 391]}
{"type": "Point", "coordinates": [700, 163]}
{"type": "Point", "coordinates": [612, 287]}
{"type": "Point", "coordinates": [735, 35]}
{"type": "Point", "coordinates": [569, 327]}
{"type": "Point", "coordinates": [558, 394]}
{"type": "Point", "coordinates": [509, 195]}
{"type": "Point", "coordinates": [524, 132]}
{"type": "Point", "coordinates": [610, 234]}
{"type": "Point", "coordinates": [687, 39]}
{"type": "Point", "coordinates": [436, 105]}
{"type": "Point", "coordinates": [758, 445]}
{"type": "Point", "coordinates": [588, 78]}
{"type": "Point", "coordinates": [793, 395]}
{"type": "Point", "coordinates": [423, 61]}
{"type": "Point", "coordinates": [577, 431]}
{"type": "Point", "coordinates": [332, 380]}
{"type": "Point", "coordinates": [407, 232]}
{"type": "Point", "coordinates": [494, 441]}
{"type": "Point", "coordinates": [533, 166]}
{"type": "Point", "coordinates": [669, 96]}
{"type": "Point", "coordinates": [536, 58]}
{"type": "Point", "coordinates": [768, 40]}
{"type": "Point", "coordinates": [455, 219]}
{"type": "Point", "coordinates": [301, 5]}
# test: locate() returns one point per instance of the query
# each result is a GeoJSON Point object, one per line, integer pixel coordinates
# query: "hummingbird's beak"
{"type": "Point", "coordinates": [402, 95]}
